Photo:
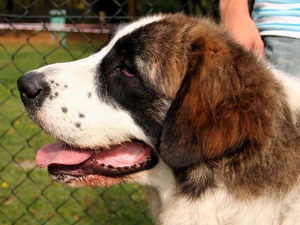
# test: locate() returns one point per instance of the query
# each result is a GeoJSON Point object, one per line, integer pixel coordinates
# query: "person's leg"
{"type": "Point", "coordinates": [284, 53]}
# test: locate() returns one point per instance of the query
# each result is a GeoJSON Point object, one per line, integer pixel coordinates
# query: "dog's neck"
{"type": "Point", "coordinates": [160, 187]}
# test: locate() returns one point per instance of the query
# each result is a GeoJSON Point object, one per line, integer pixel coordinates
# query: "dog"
{"type": "Point", "coordinates": [171, 102]}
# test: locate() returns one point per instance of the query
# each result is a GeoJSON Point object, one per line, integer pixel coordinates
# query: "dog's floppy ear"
{"type": "Point", "coordinates": [219, 107]}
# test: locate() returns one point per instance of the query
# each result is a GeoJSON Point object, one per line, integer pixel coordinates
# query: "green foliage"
{"type": "Point", "coordinates": [3, 7]}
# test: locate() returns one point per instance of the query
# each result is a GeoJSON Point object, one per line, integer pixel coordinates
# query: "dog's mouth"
{"type": "Point", "coordinates": [127, 158]}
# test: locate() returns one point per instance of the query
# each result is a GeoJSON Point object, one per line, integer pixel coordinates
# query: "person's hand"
{"type": "Point", "coordinates": [238, 23]}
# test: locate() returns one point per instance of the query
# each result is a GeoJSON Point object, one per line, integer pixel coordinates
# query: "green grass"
{"type": "Point", "coordinates": [27, 195]}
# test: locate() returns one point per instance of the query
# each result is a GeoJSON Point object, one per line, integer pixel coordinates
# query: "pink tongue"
{"type": "Point", "coordinates": [60, 153]}
{"type": "Point", "coordinates": [119, 156]}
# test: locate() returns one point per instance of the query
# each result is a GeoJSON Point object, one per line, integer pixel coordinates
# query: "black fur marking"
{"type": "Point", "coordinates": [133, 94]}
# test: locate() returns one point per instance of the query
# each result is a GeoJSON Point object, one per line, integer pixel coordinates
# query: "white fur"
{"type": "Point", "coordinates": [291, 87]}
{"type": "Point", "coordinates": [79, 78]}
{"type": "Point", "coordinates": [218, 207]}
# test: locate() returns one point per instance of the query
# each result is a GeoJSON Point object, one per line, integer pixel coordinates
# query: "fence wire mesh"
{"type": "Point", "coordinates": [37, 33]}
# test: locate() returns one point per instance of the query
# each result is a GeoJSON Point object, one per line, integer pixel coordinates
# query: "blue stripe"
{"type": "Point", "coordinates": [276, 10]}
{"type": "Point", "coordinates": [261, 13]}
{"type": "Point", "coordinates": [281, 27]}
{"type": "Point", "coordinates": [279, 24]}
{"type": "Point", "coordinates": [279, 14]}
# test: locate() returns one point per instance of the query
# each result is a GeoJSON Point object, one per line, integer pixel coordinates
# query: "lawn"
{"type": "Point", "coordinates": [27, 195]}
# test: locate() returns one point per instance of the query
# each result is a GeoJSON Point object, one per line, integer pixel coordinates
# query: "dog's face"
{"type": "Point", "coordinates": [106, 110]}
{"type": "Point", "coordinates": [159, 90]}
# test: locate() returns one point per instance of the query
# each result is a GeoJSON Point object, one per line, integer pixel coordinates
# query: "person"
{"type": "Point", "coordinates": [273, 30]}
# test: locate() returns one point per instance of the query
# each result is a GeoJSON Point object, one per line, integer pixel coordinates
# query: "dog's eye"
{"type": "Point", "coordinates": [127, 72]}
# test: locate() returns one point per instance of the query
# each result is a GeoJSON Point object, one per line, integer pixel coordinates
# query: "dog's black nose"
{"type": "Point", "coordinates": [33, 89]}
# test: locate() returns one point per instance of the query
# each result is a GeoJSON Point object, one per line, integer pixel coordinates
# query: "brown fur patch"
{"type": "Point", "coordinates": [230, 114]}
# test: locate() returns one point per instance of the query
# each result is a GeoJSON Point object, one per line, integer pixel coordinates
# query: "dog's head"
{"type": "Point", "coordinates": [165, 88]}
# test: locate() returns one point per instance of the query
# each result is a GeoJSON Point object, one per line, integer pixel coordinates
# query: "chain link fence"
{"type": "Point", "coordinates": [37, 33]}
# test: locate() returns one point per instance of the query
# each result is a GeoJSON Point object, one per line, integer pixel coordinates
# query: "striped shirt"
{"type": "Point", "coordinates": [277, 17]}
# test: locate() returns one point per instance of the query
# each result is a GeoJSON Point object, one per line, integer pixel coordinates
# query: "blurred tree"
{"type": "Point", "coordinates": [131, 8]}
{"type": "Point", "coordinates": [201, 7]}
{"type": "Point", "coordinates": [9, 6]}
{"type": "Point", "coordinates": [3, 7]}
{"type": "Point", "coordinates": [195, 7]}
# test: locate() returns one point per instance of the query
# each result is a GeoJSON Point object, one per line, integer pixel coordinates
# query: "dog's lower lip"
{"type": "Point", "coordinates": [91, 167]}
{"type": "Point", "coordinates": [127, 158]}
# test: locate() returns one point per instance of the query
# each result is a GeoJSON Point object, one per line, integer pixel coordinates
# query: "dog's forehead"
{"type": "Point", "coordinates": [127, 29]}
{"type": "Point", "coordinates": [123, 31]}
{"type": "Point", "coordinates": [151, 46]}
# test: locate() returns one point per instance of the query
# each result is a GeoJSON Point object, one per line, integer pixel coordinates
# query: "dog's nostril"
{"type": "Point", "coordinates": [30, 92]}
{"type": "Point", "coordinates": [33, 88]}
